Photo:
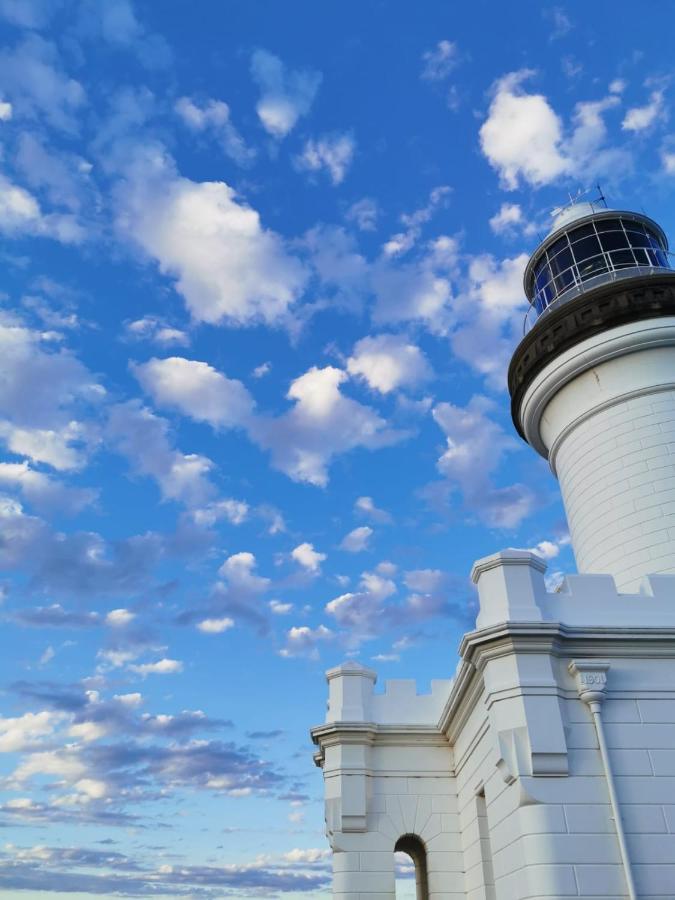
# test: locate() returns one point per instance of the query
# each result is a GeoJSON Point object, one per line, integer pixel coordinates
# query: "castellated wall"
{"type": "Point", "coordinates": [499, 772]}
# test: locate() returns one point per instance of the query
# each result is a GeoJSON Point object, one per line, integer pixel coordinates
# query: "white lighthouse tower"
{"type": "Point", "coordinates": [593, 386]}
{"type": "Point", "coordinates": [545, 768]}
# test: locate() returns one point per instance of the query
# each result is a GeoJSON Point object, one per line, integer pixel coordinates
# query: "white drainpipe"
{"type": "Point", "coordinates": [591, 676]}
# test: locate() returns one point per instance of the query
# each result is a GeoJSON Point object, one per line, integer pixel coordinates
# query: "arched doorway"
{"type": "Point", "coordinates": [412, 882]}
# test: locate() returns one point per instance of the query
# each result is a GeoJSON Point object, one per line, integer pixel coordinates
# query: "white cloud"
{"type": "Point", "coordinates": [143, 438]}
{"type": "Point", "coordinates": [302, 442]}
{"type": "Point", "coordinates": [639, 118]}
{"type": "Point", "coordinates": [42, 491]}
{"type": "Point", "coordinates": [509, 215]}
{"type": "Point", "coordinates": [155, 329]}
{"type": "Point", "coordinates": [215, 626]}
{"type": "Point", "coordinates": [235, 511]}
{"type": "Point", "coordinates": [388, 362]}
{"type": "Point", "coordinates": [304, 641]}
{"type": "Point", "coordinates": [440, 62]}
{"type": "Point", "coordinates": [21, 214]}
{"type": "Point", "coordinates": [87, 731]}
{"type": "Point", "coordinates": [361, 612]}
{"type": "Point", "coordinates": [119, 618]}
{"type": "Point", "coordinates": [668, 160]}
{"type": "Point", "coordinates": [522, 135]}
{"type": "Point", "coordinates": [133, 699]}
{"type": "Point", "coordinates": [226, 265]}
{"type": "Point", "coordinates": [403, 241]}
{"type": "Point", "coordinates": [331, 152]}
{"type": "Point", "coordinates": [308, 557]}
{"type": "Point", "coordinates": [238, 571]}
{"type": "Point", "coordinates": [196, 389]}
{"type": "Point", "coordinates": [41, 391]}
{"type": "Point", "coordinates": [366, 507]}
{"type": "Point", "coordinates": [214, 116]}
{"type": "Point", "coordinates": [476, 445]}
{"type": "Point", "coordinates": [364, 213]}
{"type": "Point", "coordinates": [285, 95]}
{"type": "Point", "coordinates": [280, 609]}
{"type": "Point", "coordinates": [262, 370]}
{"type": "Point", "coordinates": [322, 424]}
{"type": "Point", "coordinates": [161, 667]}
{"type": "Point", "coordinates": [31, 76]}
{"type": "Point", "coordinates": [357, 540]}
{"type": "Point", "coordinates": [6, 111]}
{"type": "Point", "coordinates": [523, 138]}
{"type": "Point", "coordinates": [19, 733]}
{"type": "Point", "coordinates": [498, 284]}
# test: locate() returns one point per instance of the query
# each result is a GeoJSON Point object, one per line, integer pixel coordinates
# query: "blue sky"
{"type": "Point", "coordinates": [262, 273]}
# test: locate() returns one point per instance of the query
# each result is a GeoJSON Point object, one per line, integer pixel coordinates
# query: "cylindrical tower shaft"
{"type": "Point", "coordinates": [593, 390]}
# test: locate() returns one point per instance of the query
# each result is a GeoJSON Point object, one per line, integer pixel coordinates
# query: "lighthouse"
{"type": "Point", "coordinates": [592, 386]}
{"type": "Point", "coordinates": [544, 767]}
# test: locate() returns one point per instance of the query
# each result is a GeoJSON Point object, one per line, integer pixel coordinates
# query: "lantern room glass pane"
{"type": "Point", "coordinates": [608, 225]}
{"type": "Point", "coordinates": [593, 266]}
{"type": "Point", "coordinates": [614, 240]}
{"type": "Point", "coordinates": [581, 232]}
{"type": "Point", "coordinates": [622, 259]}
{"type": "Point", "coordinates": [586, 248]}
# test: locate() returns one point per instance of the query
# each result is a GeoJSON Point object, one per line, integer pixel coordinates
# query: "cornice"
{"type": "Point", "coordinates": [477, 648]}
{"type": "Point", "coordinates": [371, 734]}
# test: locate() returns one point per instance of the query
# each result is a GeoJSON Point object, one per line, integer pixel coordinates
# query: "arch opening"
{"type": "Point", "coordinates": [411, 859]}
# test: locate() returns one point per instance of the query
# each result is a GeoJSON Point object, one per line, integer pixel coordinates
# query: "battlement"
{"type": "Point", "coordinates": [511, 588]}
{"type": "Point", "coordinates": [352, 698]}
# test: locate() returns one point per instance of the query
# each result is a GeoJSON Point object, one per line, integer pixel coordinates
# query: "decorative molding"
{"type": "Point", "coordinates": [593, 312]}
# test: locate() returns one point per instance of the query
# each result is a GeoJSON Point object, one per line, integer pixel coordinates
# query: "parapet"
{"type": "Point", "coordinates": [512, 588]}
{"type": "Point", "coordinates": [352, 698]}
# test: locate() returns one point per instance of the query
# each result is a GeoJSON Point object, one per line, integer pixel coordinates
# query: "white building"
{"type": "Point", "coordinates": [546, 767]}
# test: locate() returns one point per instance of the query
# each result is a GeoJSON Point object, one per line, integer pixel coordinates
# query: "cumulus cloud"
{"type": "Point", "coordinates": [285, 94]}
{"type": "Point", "coordinates": [507, 219]}
{"type": "Point", "coordinates": [26, 731]}
{"type": "Point", "coordinates": [157, 330]}
{"type": "Point", "coordinates": [44, 493]}
{"type": "Point", "coordinates": [143, 438]}
{"type": "Point", "coordinates": [490, 311]}
{"type": "Point", "coordinates": [119, 618]}
{"type": "Point", "coordinates": [640, 118]}
{"type": "Point", "coordinates": [417, 290]}
{"type": "Point", "coordinates": [41, 392]}
{"type": "Point", "coordinates": [225, 264]}
{"type": "Point", "coordinates": [214, 116]}
{"type": "Point", "coordinates": [308, 557]}
{"type": "Point", "coordinates": [322, 424]}
{"type": "Point", "coordinates": [357, 540]}
{"type": "Point", "coordinates": [196, 389]}
{"type": "Point", "coordinates": [476, 446]}
{"type": "Point", "coordinates": [388, 362]}
{"type": "Point", "coordinates": [522, 135]}
{"type": "Point", "coordinates": [215, 626]}
{"type": "Point", "coordinates": [365, 506]}
{"type": "Point", "coordinates": [334, 153]}
{"type": "Point", "coordinates": [32, 77]}
{"type": "Point", "coordinates": [402, 242]}
{"type": "Point", "coordinates": [21, 214]}
{"type": "Point", "coordinates": [163, 666]}
{"type": "Point", "coordinates": [525, 140]}
{"type": "Point", "coordinates": [234, 511]}
{"type": "Point", "coordinates": [301, 640]}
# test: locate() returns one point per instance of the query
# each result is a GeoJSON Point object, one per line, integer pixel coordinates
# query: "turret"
{"type": "Point", "coordinates": [592, 386]}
